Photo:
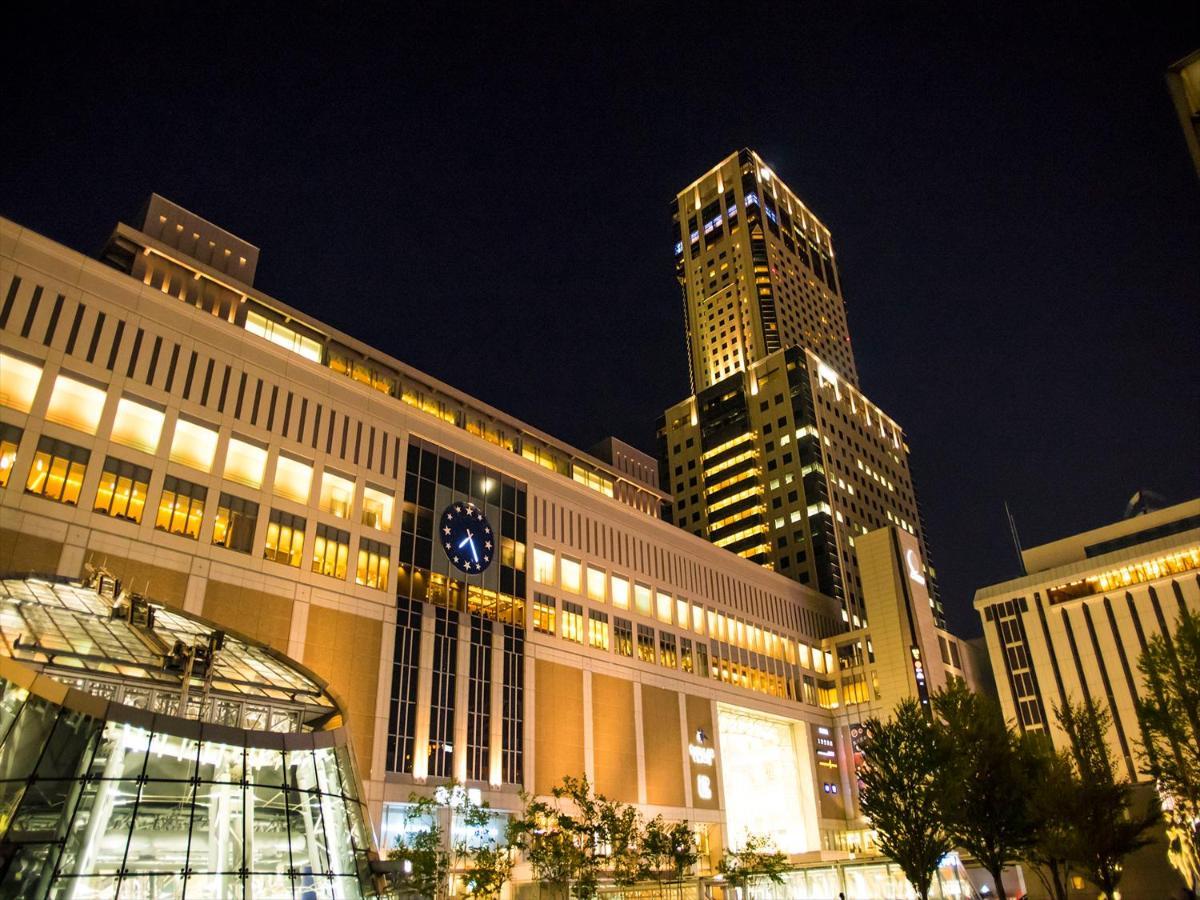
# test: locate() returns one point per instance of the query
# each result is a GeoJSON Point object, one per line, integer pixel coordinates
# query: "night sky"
{"type": "Point", "coordinates": [1012, 204]}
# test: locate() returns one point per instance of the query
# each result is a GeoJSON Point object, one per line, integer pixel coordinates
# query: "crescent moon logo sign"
{"type": "Point", "coordinates": [914, 566]}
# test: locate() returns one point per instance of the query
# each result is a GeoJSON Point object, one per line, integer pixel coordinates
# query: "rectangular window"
{"type": "Point", "coordinates": [280, 334]}
{"type": "Point", "coordinates": [543, 613]}
{"type": "Point", "coordinates": [57, 471]}
{"type": "Point", "coordinates": [641, 599]}
{"type": "Point", "coordinates": [122, 490]}
{"type": "Point", "coordinates": [18, 382]}
{"type": "Point", "coordinates": [181, 507]}
{"type": "Point", "coordinates": [75, 404]}
{"type": "Point", "coordinates": [662, 606]}
{"type": "Point", "coordinates": [702, 659]}
{"type": "Point", "coordinates": [543, 566]}
{"type": "Point", "coordinates": [666, 649]}
{"type": "Point", "coordinates": [331, 552]}
{"type": "Point", "coordinates": [245, 463]}
{"type": "Point", "coordinates": [337, 494]}
{"type": "Point", "coordinates": [645, 643]}
{"type": "Point", "coordinates": [620, 592]}
{"type": "Point", "coordinates": [293, 479]}
{"type": "Point", "coordinates": [137, 425]}
{"type": "Point", "coordinates": [193, 445]}
{"type": "Point", "coordinates": [285, 538]}
{"type": "Point", "coordinates": [598, 629]}
{"type": "Point", "coordinates": [685, 654]}
{"type": "Point", "coordinates": [623, 636]}
{"type": "Point", "coordinates": [571, 573]}
{"type": "Point", "coordinates": [697, 619]}
{"type": "Point", "coordinates": [595, 584]}
{"type": "Point", "coordinates": [10, 439]}
{"type": "Point", "coordinates": [377, 508]}
{"type": "Point", "coordinates": [572, 621]}
{"type": "Point", "coordinates": [235, 523]}
{"type": "Point", "coordinates": [373, 561]}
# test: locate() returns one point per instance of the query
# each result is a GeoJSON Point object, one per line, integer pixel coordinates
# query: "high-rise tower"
{"type": "Point", "coordinates": [777, 456]}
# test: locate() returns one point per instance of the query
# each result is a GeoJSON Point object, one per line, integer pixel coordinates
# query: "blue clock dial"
{"type": "Point", "coordinates": [466, 537]}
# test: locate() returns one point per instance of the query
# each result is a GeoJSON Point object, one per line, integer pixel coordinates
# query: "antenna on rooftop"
{"type": "Point", "coordinates": [1016, 538]}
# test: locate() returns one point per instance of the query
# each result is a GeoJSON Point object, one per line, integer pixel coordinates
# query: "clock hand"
{"type": "Point", "coordinates": [465, 540]}
{"type": "Point", "coordinates": [473, 553]}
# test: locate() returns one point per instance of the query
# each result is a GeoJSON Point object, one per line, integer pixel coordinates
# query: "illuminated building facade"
{"type": "Point", "coordinates": [778, 456]}
{"type": "Point", "coordinates": [489, 605]}
{"type": "Point", "coordinates": [1075, 625]}
{"type": "Point", "coordinates": [146, 753]}
{"type": "Point", "coordinates": [1183, 79]}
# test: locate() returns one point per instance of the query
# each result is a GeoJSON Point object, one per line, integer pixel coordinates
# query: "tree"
{"type": "Point", "coordinates": [621, 832]}
{"type": "Point", "coordinates": [757, 859]}
{"type": "Point", "coordinates": [669, 851]}
{"type": "Point", "coordinates": [1053, 806]}
{"type": "Point", "coordinates": [904, 790]}
{"type": "Point", "coordinates": [421, 847]}
{"type": "Point", "coordinates": [1169, 714]}
{"type": "Point", "coordinates": [989, 789]}
{"type": "Point", "coordinates": [1105, 829]}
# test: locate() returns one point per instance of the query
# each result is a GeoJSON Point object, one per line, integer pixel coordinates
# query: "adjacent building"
{"type": "Point", "coordinates": [777, 456]}
{"type": "Point", "coordinates": [488, 604]}
{"type": "Point", "coordinates": [1183, 79]}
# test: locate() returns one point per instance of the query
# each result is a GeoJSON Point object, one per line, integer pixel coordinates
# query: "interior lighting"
{"type": "Point", "coordinates": [18, 382]}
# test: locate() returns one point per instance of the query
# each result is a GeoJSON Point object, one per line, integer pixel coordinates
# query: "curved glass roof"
{"type": "Point", "coordinates": [84, 637]}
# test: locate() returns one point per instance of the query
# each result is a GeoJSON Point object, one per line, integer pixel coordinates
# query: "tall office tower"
{"type": "Point", "coordinates": [777, 456]}
{"type": "Point", "coordinates": [757, 271]}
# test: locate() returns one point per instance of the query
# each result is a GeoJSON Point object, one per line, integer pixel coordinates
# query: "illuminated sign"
{"type": "Point", "coordinates": [701, 755]}
{"type": "Point", "coordinates": [914, 566]}
{"type": "Point", "coordinates": [829, 788]}
{"type": "Point", "coordinates": [704, 787]}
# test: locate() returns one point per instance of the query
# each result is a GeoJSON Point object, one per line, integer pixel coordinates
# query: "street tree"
{"type": "Point", "coordinates": [1169, 715]}
{"type": "Point", "coordinates": [669, 850]}
{"type": "Point", "coordinates": [1106, 827]}
{"type": "Point", "coordinates": [1053, 805]}
{"type": "Point", "coordinates": [756, 860]}
{"type": "Point", "coordinates": [989, 791]}
{"type": "Point", "coordinates": [904, 790]}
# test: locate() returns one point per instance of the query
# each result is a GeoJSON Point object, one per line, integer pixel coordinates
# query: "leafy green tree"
{"type": "Point", "coordinates": [669, 851]}
{"type": "Point", "coordinates": [621, 833]}
{"type": "Point", "coordinates": [420, 846]}
{"type": "Point", "coordinates": [1169, 713]}
{"type": "Point", "coordinates": [758, 859]}
{"type": "Point", "coordinates": [1053, 803]}
{"type": "Point", "coordinates": [1105, 828]}
{"type": "Point", "coordinates": [907, 760]}
{"type": "Point", "coordinates": [989, 814]}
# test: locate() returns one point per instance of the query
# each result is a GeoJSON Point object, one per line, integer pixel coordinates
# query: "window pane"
{"type": "Point", "coordinates": [245, 463]}
{"type": "Point", "coordinates": [193, 445]}
{"type": "Point", "coordinates": [75, 404]}
{"type": "Point", "coordinates": [18, 382]}
{"type": "Point", "coordinates": [137, 426]}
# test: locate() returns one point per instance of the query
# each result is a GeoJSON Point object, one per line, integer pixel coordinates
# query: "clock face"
{"type": "Point", "coordinates": [467, 537]}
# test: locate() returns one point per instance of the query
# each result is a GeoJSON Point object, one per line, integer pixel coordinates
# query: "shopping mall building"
{"type": "Point", "coordinates": [487, 603]}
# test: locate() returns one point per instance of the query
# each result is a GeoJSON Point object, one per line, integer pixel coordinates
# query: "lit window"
{"type": "Point", "coordinates": [75, 404]}
{"type": "Point", "coordinates": [193, 445]}
{"type": "Point", "coordinates": [57, 471]}
{"type": "Point", "coordinates": [245, 463]}
{"type": "Point", "coordinates": [543, 613]}
{"type": "Point", "coordinates": [337, 494]}
{"type": "Point", "coordinates": [666, 649]}
{"type": "Point", "coordinates": [663, 606]}
{"type": "Point", "coordinates": [377, 508]}
{"type": "Point", "coordinates": [293, 479]}
{"type": "Point", "coordinates": [235, 523]}
{"type": "Point", "coordinates": [543, 566]}
{"type": "Point", "coordinates": [10, 439]}
{"type": "Point", "coordinates": [280, 334]}
{"type": "Point", "coordinates": [373, 560]}
{"type": "Point", "coordinates": [681, 612]}
{"type": "Point", "coordinates": [331, 552]}
{"type": "Point", "coordinates": [18, 382]}
{"type": "Point", "coordinates": [572, 621]}
{"type": "Point", "coordinates": [645, 643]}
{"type": "Point", "coordinates": [598, 630]}
{"type": "Point", "coordinates": [697, 619]}
{"type": "Point", "coordinates": [137, 426]}
{"type": "Point", "coordinates": [623, 635]}
{"type": "Point", "coordinates": [571, 572]}
{"type": "Point", "coordinates": [181, 507]}
{"type": "Point", "coordinates": [285, 538]}
{"type": "Point", "coordinates": [595, 584]}
{"type": "Point", "coordinates": [122, 490]}
{"type": "Point", "coordinates": [620, 592]}
{"type": "Point", "coordinates": [641, 599]}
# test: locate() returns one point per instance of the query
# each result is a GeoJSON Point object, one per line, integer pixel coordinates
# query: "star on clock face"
{"type": "Point", "coordinates": [466, 538]}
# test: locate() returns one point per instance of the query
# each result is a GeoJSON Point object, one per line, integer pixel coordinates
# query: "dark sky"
{"type": "Point", "coordinates": [1010, 196]}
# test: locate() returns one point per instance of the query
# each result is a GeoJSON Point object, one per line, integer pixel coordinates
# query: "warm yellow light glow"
{"type": "Point", "coordinates": [337, 494]}
{"type": "Point", "coordinates": [641, 599]}
{"type": "Point", "coordinates": [662, 606]}
{"type": "Point", "coordinates": [543, 566]}
{"type": "Point", "coordinates": [571, 574]}
{"type": "Point", "coordinates": [137, 426]}
{"type": "Point", "coordinates": [245, 463]}
{"type": "Point", "coordinates": [193, 445]}
{"type": "Point", "coordinates": [377, 508]}
{"type": "Point", "coordinates": [620, 592]}
{"type": "Point", "coordinates": [18, 382]}
{"type": "Point", "coordinates": [697, 619]}
{"type": "Point", "coordinates": [285, 337]}
{"type": "Point", "coordinates": [293, 479]}
{"type": "Point", "coordinates": [596, 584]}
{"type": "Point", "coordinates": [75, 404]}
{"type": "Point", "coordinates": [1124, 576]}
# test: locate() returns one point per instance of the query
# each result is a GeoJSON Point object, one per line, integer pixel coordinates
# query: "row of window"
{"type": "Point", "coordinates": [58, 471]}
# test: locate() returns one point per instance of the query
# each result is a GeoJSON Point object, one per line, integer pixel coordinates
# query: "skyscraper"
{"type": "Point", "coordinates": [777, 456]}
